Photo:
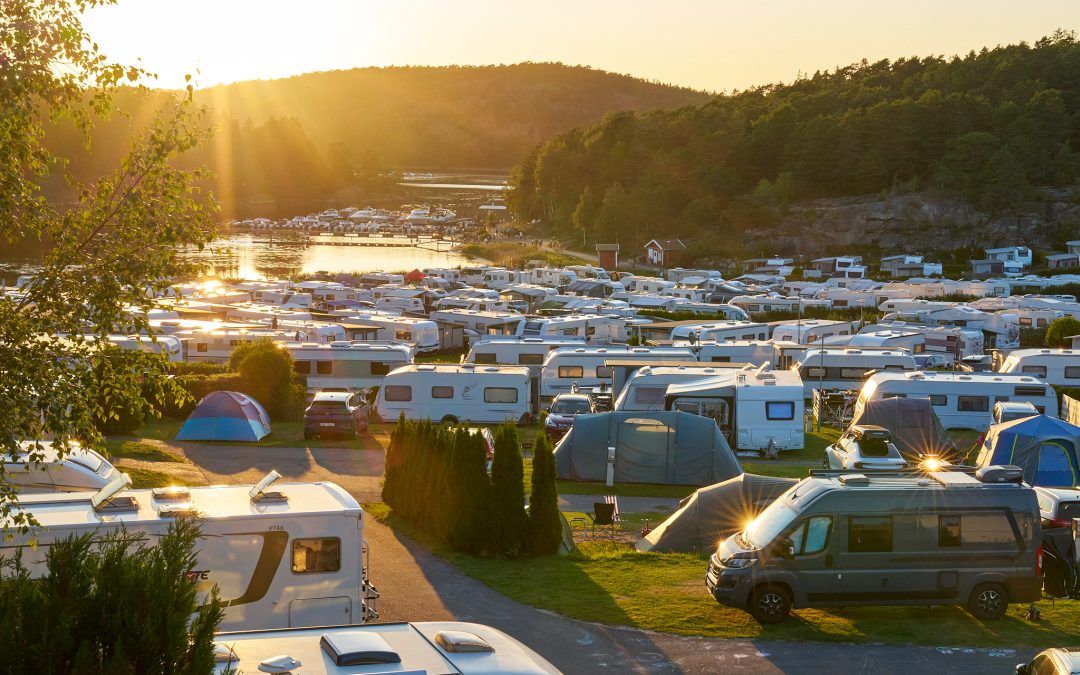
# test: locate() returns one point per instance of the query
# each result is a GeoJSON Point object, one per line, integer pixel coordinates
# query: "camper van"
{"type": "Point", "coordinates": [847, 539]}
{"type": "Point", "coordinates": [517, 351]}
{"type": "Point", "coordinates": [80, 469]}
{"type": "Point", "coordinates": [843, 368]}
{"type": "Point", "coordinates": [281, 554]}
{"type": "Point", "coordinates": [722, 331]}
{"type": "Point", "coordinates": [809, 331]}
{"type": "Point", "coordinates": [755, 408]}
{"type": "Point", "coordinates": [457, 393]}
{"type": "Point", "coordinates": [348, 366]}
{"type": "Point", "coordinates": [960, 400]}
{"type": "Point", "coordinates": [566, 367]}
{"type": "Point", "coordinates": [452, 647]}
{"type": "Point", "coordinates": [1060, 367]}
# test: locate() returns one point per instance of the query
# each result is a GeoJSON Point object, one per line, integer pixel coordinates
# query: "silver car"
{"type": "Point", "coordinates": [864, 447]}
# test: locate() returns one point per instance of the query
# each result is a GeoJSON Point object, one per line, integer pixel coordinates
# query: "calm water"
{"type": "Point", "coordinates": [259, 257]}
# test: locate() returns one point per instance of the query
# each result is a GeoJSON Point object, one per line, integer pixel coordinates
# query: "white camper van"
{"type": "Point", "coordinates": [1060, 367]}
{"type": "Point", "coordinates": [843, 368]}
{"type": "Point", "coordinates": [961, 400]}
{"type": "Point", "coordinates": [754, 407]}
{"type": "Point", "coordinates": [281, 554]}
{"type": "Point", "coordinates": [566, 367]}
{"type": "Point", "coordinates": [457, 393]}
{"type": "Point", "coordinates": [347, 365]}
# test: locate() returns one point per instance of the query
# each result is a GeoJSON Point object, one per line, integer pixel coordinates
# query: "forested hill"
{"type": "Point", "coordinates": [988, 128]}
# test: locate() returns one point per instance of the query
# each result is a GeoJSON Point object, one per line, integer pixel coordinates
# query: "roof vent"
{"type": "Point", "coordinates": [458, 641]}
{"type": "Point", "coordinates": [854, 479]}
{"type": "Point", "coordinates": [106, 498]}
{"type": "Point", "coordinates": [173, 493]}
{"type": "Point", "coordinates": [259, 495]}
{"type": "Point", "coordinates": [280, 664]}
{"type": "Point", "coordinates": [176, 510]}
{"type": "Point", "coordinates": [1000, 474]}
{"type": "Point", "coordinates": [223, 653]}
{"type": "Point", "coordinates": [357, 648]}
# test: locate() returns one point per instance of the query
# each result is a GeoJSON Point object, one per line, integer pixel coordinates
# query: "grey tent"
{"type": "Point", "coordinates": [714, 512]}
{"type": "Point", "coordinates": [671, 448]}
{"type": "Point", "coordinates": [915, 428]}
{"type": "Point", "coordinates": [1045, 447]}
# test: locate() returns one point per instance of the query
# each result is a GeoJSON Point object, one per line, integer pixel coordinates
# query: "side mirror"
{"type": "Point", "coordinates": [783, 548]}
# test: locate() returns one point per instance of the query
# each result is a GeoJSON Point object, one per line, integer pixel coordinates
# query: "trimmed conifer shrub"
{"type": "Point", "coordinates": [545, 521]}
{"type": "Point", "coordinates": [508, 521]}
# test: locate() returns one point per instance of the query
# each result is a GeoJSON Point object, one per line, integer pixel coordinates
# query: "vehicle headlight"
{"type": "Point", "coordinates": [550, 422]}
{"type": "Point", "coordinates": [737, 563]}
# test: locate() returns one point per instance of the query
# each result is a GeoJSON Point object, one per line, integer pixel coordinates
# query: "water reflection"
{"type": "Point", "coordinates": [261, 257]}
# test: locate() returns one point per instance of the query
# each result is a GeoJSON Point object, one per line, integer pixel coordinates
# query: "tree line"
{"type": "Point", "coordinates": [990, 126]}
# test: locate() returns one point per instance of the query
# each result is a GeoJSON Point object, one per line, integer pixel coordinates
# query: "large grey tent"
{"type": "Point", "coordinates": [1045, 447]}
{"type": "Point", "coordinates": [714, 512]}
{"type": "Point", "coordinates": [671, 448]}
{"type": "Point", "coordinates": [915, 429]}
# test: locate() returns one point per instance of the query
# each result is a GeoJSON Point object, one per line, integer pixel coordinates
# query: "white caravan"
{"type": "Point", "coordinates": [722, 331]}
{"type": "Point", "coordinates": [566, 367]}
{"type": "Point", "coordinates": [381, 278]}
{"type": "Point", "coordinates": [809, 331]}
{"type": "Point", "coordinates": [473, 275]}
{"type": "Point", "coordinates": [323, 332]}
{"type": "Point", "coordinates": [552, 277]}
{"type": "Point", "coordinates": [646, 388]}
{"type": "Point", "coordinates": [348, 366]}
{"type": "Point", "coordinates": [481, 323]}
{"type": "Point", "coordinates": [168, 346]}
{"type": "Point", "coordinates": [281, 554]}
{"type": "Point", "coordinates": [424, 333]}
{"type": "Point", "coordinates": [754, 407]}
{"type": "Point", "coordinates": [597, 327]}
{"type": "Point", "coordinates": [753, 352]}
{"type": "Point", "coordinates": [452, 647]}
{"type": "Point", "coordinates": [1059, 367]}
{"type": "Point", "coordinates": [961, 400]}
{"type": "Point", "coordinates": [215, 346]}
{"type": "Point", "coordinates": [646, 285]}
{"type": "Point", "coordinates": [457, 393]}
{"type": "Point", "coordinates": [844, 368]}
{"type": "Point", "coordinates": [517, 351]}
{"type": "Point", "coordinates": [80, 469]}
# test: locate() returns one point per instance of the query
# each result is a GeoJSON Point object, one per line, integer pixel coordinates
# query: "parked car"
{"type": "Point", "coordinates": [336, 413]}
{"type": "Point", "coordinates": [1058, 506]}
{"type": "Point", "coordinates": [563, 410]}
{"type": "Point", "coordinates": [931, 361]}
{"type": "Point", "coordinates": [977, 363]}
{"type": "Point", "coordinates": [864, 446]}
{"type": "Point", "coordinates": [1007, 411]}
{"type": "Point", "coordinates": [1056, 661]}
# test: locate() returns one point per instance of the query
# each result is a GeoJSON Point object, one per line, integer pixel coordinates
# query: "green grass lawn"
{"type": "Point", "coordinates": [148, 478]}
{"type": "Point", "coordinates": [120, 449]}
{"type": "Point", "coordinates": [283, 434]}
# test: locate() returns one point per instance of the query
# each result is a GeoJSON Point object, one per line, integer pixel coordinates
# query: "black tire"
{"type": "Point", "coordinates": [449, 421]}
{"type": "Point", "coordinates": [770, 604]}
{"type": "Point", "coordinates": [988, 602]}
{"type": "Point", "coordinates": [825, 461]}
{"type": "Point", "coordinates": [308, 435]}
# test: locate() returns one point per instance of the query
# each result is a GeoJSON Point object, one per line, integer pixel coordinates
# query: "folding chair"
{"type": "Point", "coordinates": [603, 518]}
{"type": "Point", "coordinates": [613, 500]}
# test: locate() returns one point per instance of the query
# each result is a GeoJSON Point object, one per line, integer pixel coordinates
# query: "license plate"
{"type": "Point", "coordinates": [327, 424]}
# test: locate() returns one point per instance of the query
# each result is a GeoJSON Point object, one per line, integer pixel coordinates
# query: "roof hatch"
{"type": "Point", "coordinates": [106, 499]}
{"type": "Point", "coordinates": [357, 648]}
{"type": "Point", "coordinates": [458, 641]}
{"type": "Point", "coordinates": [258, 493]}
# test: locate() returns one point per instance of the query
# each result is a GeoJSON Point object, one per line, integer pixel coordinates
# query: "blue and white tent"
{"type": "Point", "coordinates": [226, 416]}
{"type": "Point", "coordinates": [1045, 447]}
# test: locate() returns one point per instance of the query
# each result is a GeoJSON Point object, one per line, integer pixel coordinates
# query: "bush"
{"type": "Point", "coordinates": [266, 374]}
{"type": "Point", "coordinates": [1062, 328]}
{"type": "Point", "coordinates": [545, 521]}
{"type": "Point", "coordinates": [197, 368]}
{"type": "Point", "coordinates": [508, 519]}
{"type": "Point", "coordinates": [109, 604]}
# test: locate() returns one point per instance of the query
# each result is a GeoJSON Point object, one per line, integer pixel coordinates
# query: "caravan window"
{"type": "Point", "coordinates": [939, 399]}
{"type": "Point", "coordinates": [302, 367]}
{"type": "Point", "coordinates": [1072, 372]}
{"type": "Point", "coordinates": [870, 534]}
{"type": "Point", "coordinates": [500, 395]}
{"type": "Point", "coordinates": [316, 555]}
{"type": "Point", "coordinates": [531, 359]}
{"type": "Point", "coordinates": [379, 368]}
{"type": "Point", "coordinates": [571, 371]}
{"type": "Point", "coordinates": [201, 347]}
{"type": "Point", "coordinates": [1037, 371]}
{"type": "Point", "coordinates": [649, 395]}
{"type": "Point", "coordinates": [442, 392]}
{"type": "Point", "coordinates": [852, 373]}
{"type": "Point", "coordinates": [1030, 391]}
{"type": "Point", "coordinates": [1054, 469]}
{"type": "Point", "coordinates": [779, 410]}
{"type": "Point", "coordinates": [398, 392]}
{"type": "Point", "coordinates": [818, 373]}
{"type": "Point", "coordinates": [484, 357]}
{"type": "Point", "coordinates": [603, 371]}
{"type": "Point", "coordinates": [324, 367]}
{"type": "Point", "coordinates": [972, 403]}
{"type": "Point", "coordinates": [403, 335]}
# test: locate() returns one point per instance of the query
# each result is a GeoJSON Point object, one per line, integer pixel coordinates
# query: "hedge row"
{"type": "Point", "coordinates": [436, 479]}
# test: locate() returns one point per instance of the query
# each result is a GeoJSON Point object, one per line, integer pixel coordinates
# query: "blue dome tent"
{"type": "Point", "coordinates": [226, 416]}
{"type": "Point", "coordinates": [1045, 447]}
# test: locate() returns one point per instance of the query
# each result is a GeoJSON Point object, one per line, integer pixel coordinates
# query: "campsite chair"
{"type": "Point", "coordinates": [603, 519]}
{"type": "Point", "coordinates": [612, 499]}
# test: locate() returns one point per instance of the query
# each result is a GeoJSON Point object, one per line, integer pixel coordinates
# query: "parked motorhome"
{"type": "Point", "coordinates": [589, 272]}
{"type": "Point", "coordinates": [953, 341]}
{"type": "Point", "coordinates": [215, 346]}
{"type": "Point", "coordinates": [960, 400]}
{"type": "Point", "coordinates": [848, 539]}
{"type": "Point", "coordinates": [347, 365]}
{"type": "Point", "coordinates": [473, 275]}
{"type": "Point", "coordinates": [754, 407]}
{"type": "Point", "coordinates": [381, 278]}
{"type": "Point", "coordinates": [1059, 367]}
{"type": "Point", "coordinates": [809, 331]}
{"type": "Point", "coordinates": [653, 285]}
{"type": "Point", "coordinates": [411, 306]}
{"type": "Point", "coordinates": [595, 327]}
{"type": "Point", "coordinates": [584, 366]}
{"type": "Point", "coordinates": [886, 338]}
{"type": "Point", "coordinates": [424, 333]}
{"type": "Point", "coordinates": [736, 351]}
{"type": "Point", "coordinates": [552, 277]}
{"type": "Point", "coordinates": [79, 470]}
{"type": "Point", "coordinates": [452, 647]}
{"type": "Point", "coordinates": [457, 393]}
{"type": "Point", "coordinates": [844, 368]}
{"type": "Point", "coordinates": [721, 331]}
{"type": "Point", "coordinates": [517, 351]}
{"type": "Point", "coordinates": [482, 323]}
{"type": "Point", "coordinates": [280, 554]}
{"type": "Point", "coordinates": [498, 279]}
{"type": "Point", "coordinates": [168, 346]}
{"type": "Point", "coordinates": [645, 389]}
{"type": "Point", "coordinates": [322, 332]}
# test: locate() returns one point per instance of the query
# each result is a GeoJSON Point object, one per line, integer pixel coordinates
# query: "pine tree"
{"type": "Point", "coordinates": [545, 521]}
{"type": "Point", "coordinates": [507, 520]}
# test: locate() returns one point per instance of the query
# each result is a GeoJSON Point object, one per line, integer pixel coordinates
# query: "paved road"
{"type": "Point", "coordinates": [417, 585]}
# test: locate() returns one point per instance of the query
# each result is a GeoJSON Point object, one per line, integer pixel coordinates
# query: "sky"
{"type": "Point", "coordinates": [716, 45]}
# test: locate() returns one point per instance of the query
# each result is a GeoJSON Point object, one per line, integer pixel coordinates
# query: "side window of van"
{"type": "Point", "coordinates": [1072, 372]}
{"type": "Point", "coordinates": [812, 536]}
{"type": "Point", "coordinates": [972, 403]}
{"type": "Point", "coordinates": [571, 371]}
{"type": "Point", "coordinates": [530, 359]}
{"type": "Point", "coordinates": [398, 392]}
{"type": "Point", "coordinates": [316, 555]}
{"type": "Point", "coordinates": [870, 534]}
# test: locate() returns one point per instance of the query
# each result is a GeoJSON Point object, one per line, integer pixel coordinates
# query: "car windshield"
{"type": "Point", "coordinates": [327, 405]}
{"type": "Point", "coordinates": [874, 447]}
{"type": "Point", "coordinates": [569, 407]}
{"type": "Point", "coordinates": [769, 523]}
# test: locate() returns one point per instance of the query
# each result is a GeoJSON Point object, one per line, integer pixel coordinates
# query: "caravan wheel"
{"type": "Point", "coordinates": [449, 421]}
